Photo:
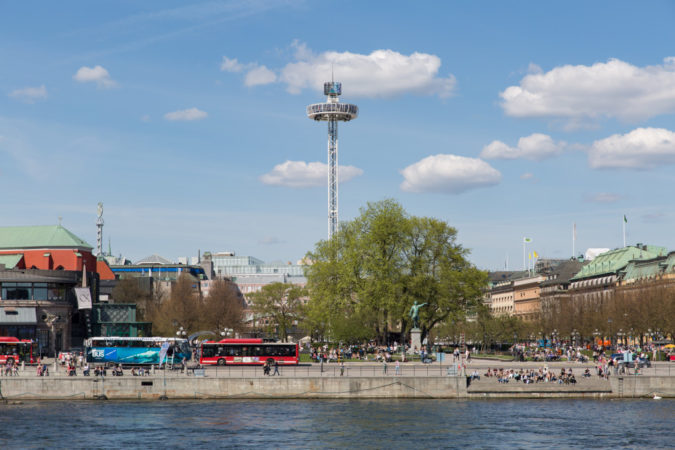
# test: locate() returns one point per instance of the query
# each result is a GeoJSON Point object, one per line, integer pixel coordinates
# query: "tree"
{"type": "Point", "coordinates": [129, 290]}
{"type": "Point", "coordinates": [181, 309]}
{"type": "Point", "coordinates": [223, 307]}
{"type": "Point", "coordinates": [280, 305]}
{"type": "Point", "coordinates": [378, 264]}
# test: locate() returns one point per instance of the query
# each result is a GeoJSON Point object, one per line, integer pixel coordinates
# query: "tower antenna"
{"type": "Point", "coordinates": [332, 111]}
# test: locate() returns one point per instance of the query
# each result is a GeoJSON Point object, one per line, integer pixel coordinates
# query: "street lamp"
{"type": "Point", "coordinates": [226, 332]}
{"type": "Point", "coordinates": [596, 335]}
{"type": "Point", "coordinates": [609, 322]}
{"type": "Point", "coordinates": [619, 335]}
{"type": "Point", "coordinates": [575, 336]}
{"type": "Point", "coordinates": [181, 332]}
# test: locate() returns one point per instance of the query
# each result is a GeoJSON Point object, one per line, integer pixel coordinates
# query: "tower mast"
{"type": "Point", "coordinates": [332, 111]}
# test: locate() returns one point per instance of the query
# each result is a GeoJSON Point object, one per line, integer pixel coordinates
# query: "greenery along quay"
{"type": "Point", "coordinates": [362, 282]}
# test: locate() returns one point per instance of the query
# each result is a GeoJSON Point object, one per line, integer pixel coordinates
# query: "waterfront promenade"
{"type": "Point", "coordinates": [359, 380]}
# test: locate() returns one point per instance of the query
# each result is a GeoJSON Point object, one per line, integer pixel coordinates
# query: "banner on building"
{"type": "Point", "coordinates": [83, 295]}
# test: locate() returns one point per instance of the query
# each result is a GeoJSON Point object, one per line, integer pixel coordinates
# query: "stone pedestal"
{"type": "Point", "coordinates": [415, 341]}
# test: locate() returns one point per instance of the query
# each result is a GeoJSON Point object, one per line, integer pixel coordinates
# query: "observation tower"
{"type": "Point", "coordinates": [332, 111]}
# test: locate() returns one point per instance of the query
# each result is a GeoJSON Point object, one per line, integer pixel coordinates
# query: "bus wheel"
{"type": "Point", "coordinates": [221, 362]}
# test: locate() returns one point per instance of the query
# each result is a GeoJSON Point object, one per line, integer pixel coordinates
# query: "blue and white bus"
{"type": "Point", "coordinates": [136, 351]}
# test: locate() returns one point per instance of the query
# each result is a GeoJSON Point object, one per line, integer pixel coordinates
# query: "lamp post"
{"type": "Point", "coordinates": [181, 333]}
{"type": "Point", "coordinates": [619, 335]}
{"type": "Point", "coordinates": [609, 323]}
{"type": "Point", "coordinates": [226, 332]}
{"type": "Point", "coordinates": [575, 336]}
{"type": "Point", "coordinates": [596, 335]}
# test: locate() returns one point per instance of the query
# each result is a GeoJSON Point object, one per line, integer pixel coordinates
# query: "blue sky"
{"type": "Point", "coordinates": [187, 120]}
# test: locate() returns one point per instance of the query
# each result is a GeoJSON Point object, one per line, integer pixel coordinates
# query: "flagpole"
{"type": "Point", "coordinates": [524, 259]}
{"type": "Point", "coordinates": [624, 230]}
{"type": "Point", "coordinates": [574, 237]}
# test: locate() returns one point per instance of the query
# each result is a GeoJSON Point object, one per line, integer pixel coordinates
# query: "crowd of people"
{"type": "Point", "coordinates": [529, 376]}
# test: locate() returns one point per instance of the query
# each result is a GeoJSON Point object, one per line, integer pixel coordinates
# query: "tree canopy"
{"type": "Point", "coordinates": [363, 280]}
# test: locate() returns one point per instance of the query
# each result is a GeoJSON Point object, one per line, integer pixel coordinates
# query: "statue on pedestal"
{"type": "Point", "coordinates": [414, 313]}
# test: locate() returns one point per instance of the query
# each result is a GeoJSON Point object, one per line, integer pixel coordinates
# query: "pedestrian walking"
{"type": "Point", "coordinates": [384, 366]}
{"type": "Point", "coordinates": [321, 365]}
{"type": "Point", "coordinates": [397, 368]}
{"type": "Point", "coordinates": [276, 368]}
{"type": "Point", "coordinates": [342, 368]}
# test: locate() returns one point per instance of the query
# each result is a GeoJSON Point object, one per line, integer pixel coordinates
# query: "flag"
{"type": "Point", "coordinates": [527, 240]}
{"type": "Point", "coordinates": [536, 255]}
{"type": "Point", "coordinates": [624, 219]}
{"type": "Point", "coordinates": [529, 255]}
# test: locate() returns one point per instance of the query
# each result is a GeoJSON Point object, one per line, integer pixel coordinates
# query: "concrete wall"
{"type": "Point", "coordinates": [642, 386]}
{"type": "Point", "coordinates": [154, 387]}
{"type": "Point", "coordinates": [127, 387]}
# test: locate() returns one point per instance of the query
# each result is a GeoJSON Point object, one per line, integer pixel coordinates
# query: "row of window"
{"type": "Point", "coordinates": [332, 107]}
{"type": "Point", "coordinates": [33, 291]}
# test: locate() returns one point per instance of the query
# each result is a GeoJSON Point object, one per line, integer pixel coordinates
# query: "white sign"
{"type": "Point", "coordinates": [83, 295]}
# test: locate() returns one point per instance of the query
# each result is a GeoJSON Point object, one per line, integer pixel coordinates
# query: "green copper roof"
{"type": "Point", "coordinates": [638, 270]}
{"type": "Point", "coordinates": [10, 261]}
{"type": "Point", "coordinates": [48, 236]}
{"type": "Point", "coordinates": [613, 261]}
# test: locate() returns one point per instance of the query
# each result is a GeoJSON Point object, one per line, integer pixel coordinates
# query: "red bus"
{"type": "Point", "coordinates": [16, 350]}
{"type": "Point", "coordinates": [248, 351]}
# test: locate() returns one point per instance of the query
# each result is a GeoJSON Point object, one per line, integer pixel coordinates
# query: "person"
{"type": "Point", "coordinates": [321, 365]}
{"type": "Point", "coordinates": [276, 368]}
{"type": "Point", "coordinates": [342, 368]}
{"type": "Point", "coordinates": [85, 370]}
{"type": "Point", "coordinates": [266, 368]}
{"type": "Point", "coordinates": [397, 368]}
{"type": "Point", "coordinates": [384, 367]}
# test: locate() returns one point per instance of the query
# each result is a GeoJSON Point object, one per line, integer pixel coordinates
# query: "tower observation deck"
{"type": "Point", "coordinates": [332, 111]}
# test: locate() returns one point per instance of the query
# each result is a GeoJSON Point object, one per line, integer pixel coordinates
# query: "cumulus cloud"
{"type": "Point", "coordinates": [450, 174]}
{"type": "Point", "coordinates": [606, 89]}
{"type": "Point", "coordinates": [382, 73]}
{"type": "Point", "coordinates": [96, 74]}
{"type": "Point", "coordinates": [29, 94]}
{"type": "Point", "coordinates": [299, 174]}
{"type": "Point", "coordinates": [231, 65]}
{"type": "Point", "coordinates": [186, 115]}
{"type": "Point", "coordinates": [642, 148]}
{"type": "Point", "coordinates": [536, 147]}
{"type": "Point", "coordinates": [259, 75]}
{"type": "Point", "coordinates": [603, 197]}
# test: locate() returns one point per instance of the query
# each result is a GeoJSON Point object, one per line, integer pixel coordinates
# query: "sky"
{"type": "Point", "coordinates": [187, 120]}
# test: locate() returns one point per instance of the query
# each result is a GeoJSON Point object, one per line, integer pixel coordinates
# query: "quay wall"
{"type": "Point", "coordinates": [157, 387]}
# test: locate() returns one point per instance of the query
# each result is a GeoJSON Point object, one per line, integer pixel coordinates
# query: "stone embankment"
{"type": "Point", "coordinates": [158, 387]}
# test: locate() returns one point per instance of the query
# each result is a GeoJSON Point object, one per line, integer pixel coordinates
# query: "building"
{"type": "Point", "coordinates": [526, 301]}
{"type": "Point", "coordinates": [48, 278]}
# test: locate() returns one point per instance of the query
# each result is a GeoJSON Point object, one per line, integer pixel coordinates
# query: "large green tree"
{"type": "Point", "coordinates": [365, 278]}
{"type": "Point", "coordinates": [279, 305]}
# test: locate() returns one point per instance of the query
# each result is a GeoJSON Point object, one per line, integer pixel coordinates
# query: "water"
{"type": "Point", "coordinates": [564, 423]}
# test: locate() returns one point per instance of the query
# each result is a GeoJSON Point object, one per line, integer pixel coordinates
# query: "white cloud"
{"type": "Point", "coordinates": [29, 94]}
{"type": "Point", "coordinates": [536, 147]}
{"type": "Point", "coordinates": [299, 174]}
{"type": "Point", "coordinates": [231, 65]}
{"type": "Point", "coordinates": [382, 73]}
{"type": "Point", "coordinates": [527, 176]}
{"type": "Point", "coordinates": [186, 114]}
{"type": "Point", "coordinates": [450, 174]}
{"type": "Point", "coordinates": [642, 148]}
{"type": "Point", "coordinates": [259, 75]}
{"type": "Point", "coordinates": [603, 197]}
{"type": "Point", "coordinates": [96, 74]}
{"type": "Point", "coordinates": [607, 89]}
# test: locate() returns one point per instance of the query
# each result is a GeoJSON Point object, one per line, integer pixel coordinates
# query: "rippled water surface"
{"type": "Point", "coordinates": [340, 423]}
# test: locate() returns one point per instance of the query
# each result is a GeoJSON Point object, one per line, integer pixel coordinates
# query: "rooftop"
{"type": "Point", "coordinates": [46, 236]}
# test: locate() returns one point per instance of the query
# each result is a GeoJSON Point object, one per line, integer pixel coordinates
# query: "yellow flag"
{"type": "Point", "coordinates": [536, 255]}
{"type": "Point", "coordinates": [529, 255]}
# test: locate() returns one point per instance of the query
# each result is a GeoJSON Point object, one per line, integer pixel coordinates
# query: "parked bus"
{"type": "Point", "coordinates": [247, 351]}
{"type": "Point", "coordinates": [136, 351]}
{"type": "Point", "coordinates": [16, 350]}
